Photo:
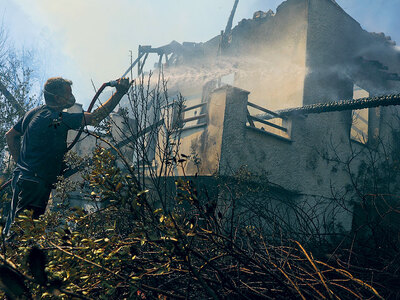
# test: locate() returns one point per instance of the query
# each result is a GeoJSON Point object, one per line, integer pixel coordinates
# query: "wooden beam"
{"type": "Point", "coordinates": [194, 118]}
{"type": "Point", "coordinates": [142, 64]}
{"type": "Point", "coordinates": [249, 119]}
{"type": "Point", "coordinates": [286, 139]}
{"type": "Point", "coordinates": [268, 123]}
{"type": "Point", "coordinates": [193, 107]}
{"type": "Point", "coordinates": [139, 134]}
{"type": "Point", "coordinates": [193, 127]}
{"type": "Point", "coordinates": [264, 110]}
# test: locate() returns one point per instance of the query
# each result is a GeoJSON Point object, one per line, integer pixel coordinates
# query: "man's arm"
{"type": "Point", "coordinates": [103, 111]}
{"type": "Point", "coordinates": [13, 138]}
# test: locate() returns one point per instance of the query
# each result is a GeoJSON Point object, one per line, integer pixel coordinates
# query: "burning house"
{"type": "Point", "coordinates": [274, 94]}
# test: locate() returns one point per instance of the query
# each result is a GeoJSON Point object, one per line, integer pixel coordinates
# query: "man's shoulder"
{"type": "Point", "coordinates": [22, 123]}
{"type": "Point", "coordinates": [37, 117]}
{"type": "Point", "coordinates": [36, 111]}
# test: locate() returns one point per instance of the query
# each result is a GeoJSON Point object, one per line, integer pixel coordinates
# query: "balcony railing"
{"type": "Point", "coordinates": [267, 121]}
{"type": "Point", "coordinates": [189, 119]}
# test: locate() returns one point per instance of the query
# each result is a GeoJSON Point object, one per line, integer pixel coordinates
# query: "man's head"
{"type": "Point", "coordinates": [58, 93]}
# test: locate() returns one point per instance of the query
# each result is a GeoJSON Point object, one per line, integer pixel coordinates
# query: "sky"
{"type": "Point", "coordinates": [86, 40]}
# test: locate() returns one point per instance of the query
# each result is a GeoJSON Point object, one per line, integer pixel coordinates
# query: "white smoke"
{"type": "Point", "coordinates": [91, 39]}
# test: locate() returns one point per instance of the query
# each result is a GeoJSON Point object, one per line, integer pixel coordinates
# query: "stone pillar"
{"type": "Point", "coordinates": [233, 147]}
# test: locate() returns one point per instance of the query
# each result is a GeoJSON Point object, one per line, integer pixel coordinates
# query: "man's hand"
{"type": "Point", "coordinates": [123, 85]}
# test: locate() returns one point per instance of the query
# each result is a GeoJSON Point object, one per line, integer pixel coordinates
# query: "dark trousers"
{"type": "Point", "coordinates": [28, 193]}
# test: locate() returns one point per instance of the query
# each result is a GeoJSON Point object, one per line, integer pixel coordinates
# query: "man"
{"type": "Point", "coordinates": [44, 142]}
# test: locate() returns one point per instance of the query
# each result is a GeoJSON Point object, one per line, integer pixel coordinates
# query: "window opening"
{"type": "Point", "coordinates": [360, 118]}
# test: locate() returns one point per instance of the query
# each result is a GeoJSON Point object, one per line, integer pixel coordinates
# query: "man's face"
{"type": "Point", "coordinates": [67, 99]}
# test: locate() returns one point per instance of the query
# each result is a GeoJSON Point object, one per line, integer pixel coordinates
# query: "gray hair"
{"type": "Point", "coordinates": [54, 86]}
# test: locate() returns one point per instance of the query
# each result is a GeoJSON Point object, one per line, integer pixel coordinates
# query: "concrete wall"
{"type": "Point", "coordinates": [297, 163]}
{"type": "Point", "coordinates": [306, 164]}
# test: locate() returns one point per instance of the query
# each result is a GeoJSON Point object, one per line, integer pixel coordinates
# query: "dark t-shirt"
{"type": "Point", "coordinates": [44, 141]}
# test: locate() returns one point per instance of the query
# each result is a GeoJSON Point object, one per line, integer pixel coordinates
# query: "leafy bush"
{"type": "Point", "coordinates": [131, 249]}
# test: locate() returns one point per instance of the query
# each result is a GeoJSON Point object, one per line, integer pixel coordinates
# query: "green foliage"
{"type": "Point", "coordinates": [132, 249]}
{"type": "Point", "coordinates": [109, 183]}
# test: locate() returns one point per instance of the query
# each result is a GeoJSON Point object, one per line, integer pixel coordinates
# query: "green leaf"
{"type": "Point", "coordinates": [158, 210]}
{"type": "Point", "coordinates": [142, 192]}
{"type": "Point", "coordinates": [135, 278]}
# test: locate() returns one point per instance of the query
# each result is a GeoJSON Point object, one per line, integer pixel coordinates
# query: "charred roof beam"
{"type": "Point", "coordinates": [226, 35]}
{"type": "Point", "coordinates": [353, 104]}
